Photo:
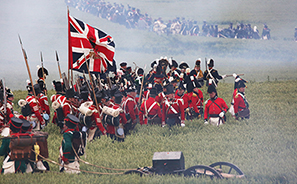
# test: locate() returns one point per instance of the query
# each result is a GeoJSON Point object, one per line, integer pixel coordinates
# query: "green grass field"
{"type": "Point", "coordinates": [263, 147]}
{"type": "Point", "coordinates": [258, 59]}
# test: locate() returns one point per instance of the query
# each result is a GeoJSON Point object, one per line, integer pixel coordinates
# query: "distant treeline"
{"type": "Point", "coordinates": [132, 18]}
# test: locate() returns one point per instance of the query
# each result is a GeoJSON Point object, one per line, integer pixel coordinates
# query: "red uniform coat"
{"type": "Point", "coordinates": [149, 108]}
{"type": "Point", "coordinates": [44, 103]}
{"type": "Point", "coordinates": [196, 100]}
{"type": "Point", "coordinates": [96, 118]}
{"type": "Point", "coordinates": [212, 109]}
{"type": "Point", "coordinates": [177, 108]}
{"type": "Point", "coordinates": [61, 100]}
{"type": "Point", "coordinates": [239, 103]}
{"type": "Point", "coordinates": [69, 108]}
{"type": "Point", "coordinates": [5, 119]}
{"type": "Point", "coordinates": [185, 98]}
{"type": "Point", "coordinates": [129, 106]}
{"type": "Point", "coordinates": [34, 106]}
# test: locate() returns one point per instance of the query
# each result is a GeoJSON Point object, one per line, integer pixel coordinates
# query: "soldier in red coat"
{"type": "Point", "coordinates": [215, 108]}
{"type": "Point", "coordinates": [70, 105]}
{"type": "Point", "coordinates": [58, 98]}
{"type": "Point", "coordinates": [130, 108]}
{"type": "Point", "coordinates": [236, 82]}
{"type": "Point", "coordinates": [35, 117]}
{"type": "Point", "coordinates": [173, 109]}
{"type": "Point", "coordinates": [4, 117]}
{"type": "Point", "coordinates": [182, 95]}
{"type": "Point", "coordinates": [150, 110]}
{"type": "Point", "coordinates": [241, 106]}
{"type": "Point", "coordinates": [195, 96]}
{"type": "Point", "coordinates": [10, 98]}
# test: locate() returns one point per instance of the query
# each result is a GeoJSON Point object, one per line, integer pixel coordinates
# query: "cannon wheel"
{"type": "Point", "coordinates": [199, 170]}
{"type": "Point", "coordinates": [227, 170]}
{"type": "Point", "coordinates": [135, 172]}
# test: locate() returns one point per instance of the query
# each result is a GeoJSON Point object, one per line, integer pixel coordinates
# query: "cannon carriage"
{"type": "Point", "coordinates": [173, 163]}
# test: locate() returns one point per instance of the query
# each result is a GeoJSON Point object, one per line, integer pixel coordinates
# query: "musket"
{"type": "Point", "coordinates": [92, 85]}
{"type": "Point", "coordinates": [142, 82]}
{"type": "Point", "coordinates": [93, 88]}
{"type": "Point", "coordinates": [86, 81]}
{"type": "Point", "coordinates": [65, 80]}
{"type": "Point", "coordinates": [108, 81]}
{"type": "Point", "coordinates": [41, 59]}
{"type": "Point", "coordinates": [57, 58]}
{"type": "Point", "coordinates": [236, 74]}
{"type": "Point", "coordinates": [4, 100]}
{"type": "Point", "coordinates": [210, 75]}
{"type": "Point", "coordinates": [78, 83]}
{"type": "Point", "coordinates": [29, 73]}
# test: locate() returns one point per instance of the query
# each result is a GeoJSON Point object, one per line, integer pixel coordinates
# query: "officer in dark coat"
{"type": "Point", "coordinates": [212, 73]}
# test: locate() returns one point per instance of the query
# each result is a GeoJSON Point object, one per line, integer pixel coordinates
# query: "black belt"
{"type": "Point", "coordinates": [214, 115]}
{"type": "Point", "coordinates": [172, 116]}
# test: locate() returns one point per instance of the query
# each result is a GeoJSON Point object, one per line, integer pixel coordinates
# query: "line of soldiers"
{"type": "Point", "coordinates": [113, 106]}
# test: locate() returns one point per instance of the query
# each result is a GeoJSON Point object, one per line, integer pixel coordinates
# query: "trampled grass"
{"type": "Point", "coordinates": [263, 147]}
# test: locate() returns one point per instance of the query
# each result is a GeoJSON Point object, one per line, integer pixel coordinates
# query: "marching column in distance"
{"type": "Point", "coordinates": [215, 108]}
{"type": "Point", "coordinates": [212, 73]}
{"type": "Point", "coordinates": [35, 117]}
{"type": "Point", "coordinates": [67, 156]}
{"type": "Point", "coordinates": [150, 110]}
{"type": "Point", "coordinates": [241, 106]}
{"type": "Point", "coordinates": [173, 109]}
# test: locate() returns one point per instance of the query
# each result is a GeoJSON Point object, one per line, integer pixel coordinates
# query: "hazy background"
{"type": "Point", "coordinates": [42, 26]}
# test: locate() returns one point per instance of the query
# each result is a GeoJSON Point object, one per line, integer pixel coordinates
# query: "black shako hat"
{"type": "Point", "coordinates": [15, 124]}
{"type": "Point", "coordinates": [25, 126]}
{"type": "Point", "coordinates": [70, 93]}
{"type": "Point", "coordinates": [210, 63]}
{"type": "Point", "coordinates": [58, 86]}
{"type": "Point", "coordinates": [211, 88]}
{"type": "Point", "coordinates": [169, 89]}
{"type": "Point", "coordinates": [71, 121]}
{"type": "Point", "coordinates": [240, 84]}
{"type": "Point", "coordinates": [123, 64]}
{"type": "Point", "coordinates": [40, 72]}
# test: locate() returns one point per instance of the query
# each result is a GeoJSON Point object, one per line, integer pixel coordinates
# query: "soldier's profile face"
{"type": "Point", "coordinates": [242, 89]}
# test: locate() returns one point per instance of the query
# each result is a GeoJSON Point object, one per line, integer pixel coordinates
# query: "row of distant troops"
{"type": "Point", "coordinates": [117, 104]}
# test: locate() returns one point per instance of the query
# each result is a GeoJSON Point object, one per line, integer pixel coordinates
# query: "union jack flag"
{"type": "Point", "coordinates": [91, 44]}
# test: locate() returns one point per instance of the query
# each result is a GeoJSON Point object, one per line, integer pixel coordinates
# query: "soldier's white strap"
{"type": "Point", "coordinates": [171, 108]}
{"type": "Point", "coordinates": [151, 107]}
{"type": "Point", "coordinates": [125, 102]}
